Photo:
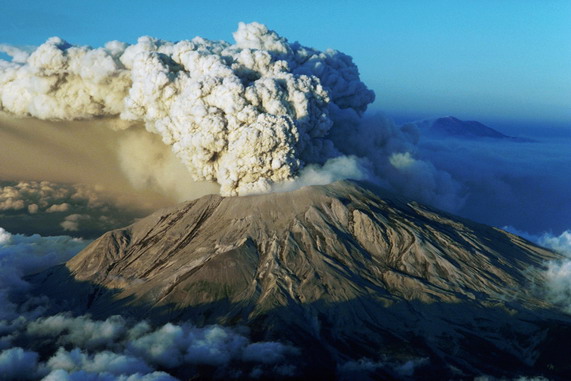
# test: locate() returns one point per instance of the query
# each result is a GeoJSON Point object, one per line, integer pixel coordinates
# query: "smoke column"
{"type": "Point", "coordinates": [246, 115]}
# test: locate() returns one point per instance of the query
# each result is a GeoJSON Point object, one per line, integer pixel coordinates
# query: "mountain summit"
{"type": "Point", "coordinates": [345, 272]}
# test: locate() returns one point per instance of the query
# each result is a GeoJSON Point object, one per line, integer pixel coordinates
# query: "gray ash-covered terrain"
{"type": "Point", "coordinates": [351, 275]}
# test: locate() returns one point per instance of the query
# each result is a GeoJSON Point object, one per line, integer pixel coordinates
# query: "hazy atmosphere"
{"type": "Point", "coordinates": [110, 111]}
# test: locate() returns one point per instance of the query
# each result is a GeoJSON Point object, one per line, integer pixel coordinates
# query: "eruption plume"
{"type": "Point", "coordinates": [246, 115]}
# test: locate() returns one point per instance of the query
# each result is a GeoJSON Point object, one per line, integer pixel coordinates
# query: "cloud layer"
{"type": "Point", "coordinates": [506, 182]}
{"type": "Point", "coordinates": [53, 208]}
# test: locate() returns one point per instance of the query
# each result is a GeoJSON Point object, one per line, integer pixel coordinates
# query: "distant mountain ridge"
{"type": "Point", "coordinates": [344, 271]}
{"type": "Point", "coordinates": [452, 127]}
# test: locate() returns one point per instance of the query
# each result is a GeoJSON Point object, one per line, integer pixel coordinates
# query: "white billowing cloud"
{"type": "Point", "coordinates": [338, 168]}
{"type": "Point", "coordinates": [115, 348]}
{"type": "Point", "coordinates": [561, 243]}
{"type": "Point", "coordinates": [5, 237]}
{"type": "Point", "coordinates": [18, 364]}
{"type": "Point", "coordinates": [19, 196]}
{"type": "Point", "coordinates": [360, 369]}
{"type": "Point", "coordinates": [558, 273]}
{"type": "Point", "coordinates": [101, 362]}
{"type": "Point", "coordinates": [71, 222]}
{"type": "Point", "coordinates": [18, 54]}
{"type": "Point", "coordinates": [79, 331]}
{"type": "Point", "coordinates": [33, 208]}
{"type": "Point", "coordinates": [63, 375]}
{"type": "Point", "coordinates": [21, 255]}
{"type": "Point", "coordinates": [63, 207]}
{"type": "Point", "coordinates": [402, 160]}
{"type": "Point", "coordinates": [58, 80]}
{"type": "Point", "coordinates": [245, 115]}
{"type": "Point", "coordinates": [84, 210]}
{"type": "Point", "coordinates": [10, 203]}
{"type": "Point", "coordinates": [172, 345]}
{"type": "Point", "coordinates": [49, 197]}
{"type": "Point", "coordinates": [556, 285]}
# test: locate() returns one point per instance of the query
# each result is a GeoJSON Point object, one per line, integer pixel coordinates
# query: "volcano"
{"type": "Point", "coordinates": [352, 275]}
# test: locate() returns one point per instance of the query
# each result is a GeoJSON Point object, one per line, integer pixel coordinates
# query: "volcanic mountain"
{"type": "Point", "coordinates": [455, 128]}
{"type": "Point", "coordinates": [345, 272]}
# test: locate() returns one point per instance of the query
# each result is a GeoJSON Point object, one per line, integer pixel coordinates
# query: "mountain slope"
{"type": "Point", "coordinates": [347, 268]}
{"type": "Point", "coordinates": [303, 246]}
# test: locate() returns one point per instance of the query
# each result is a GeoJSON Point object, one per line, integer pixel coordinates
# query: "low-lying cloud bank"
{"type": "Point", "coordinates": [36, 345]}
{"type": "Point", "coordinates": [21, 255]}
{"type": "Point", "coordinates": [558, 274]}
{"type": "Point", "coordinates": [560, 243]}
{"type": "Point", "coordinates": [120, 348]}
{"type": "Point", "coordinates": [361, 369]}
{"type": "Point", "coordinates": [81, 210]}
{"type": "Point", "coordinates": [507, 182]}
{"type": "Point", "coordinates": [556, 285]}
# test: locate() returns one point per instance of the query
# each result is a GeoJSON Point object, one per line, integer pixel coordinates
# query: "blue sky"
{"type": "Point", "coordinates": [487, 60]}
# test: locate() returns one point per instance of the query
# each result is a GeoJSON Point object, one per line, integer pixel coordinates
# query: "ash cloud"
{"type": "Point", "coordinates": [254, 116]}
{"type": "Point", "coordinates": [245, 115]}
{"type": "Point", "coordinates": [561, 243]}
{"type": "Point", "coordinates": [148, 164]}
{"type": "Point", "coordinates": [131, 163]}
{"type": "Point", "coordinates": [264, 113]}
